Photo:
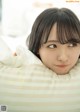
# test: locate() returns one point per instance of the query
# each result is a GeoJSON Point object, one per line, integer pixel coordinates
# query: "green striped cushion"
{"type": "Point", "coordinates": [26, 87]}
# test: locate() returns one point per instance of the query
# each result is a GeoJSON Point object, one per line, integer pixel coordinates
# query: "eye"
{"type": "Point", "coordinates": [72, 44]}
{"type": "Point", "coordinates": [52, 46]}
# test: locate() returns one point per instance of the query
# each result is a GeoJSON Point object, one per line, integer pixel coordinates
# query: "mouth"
{"type": "Point", "coordinates": [62, 66]}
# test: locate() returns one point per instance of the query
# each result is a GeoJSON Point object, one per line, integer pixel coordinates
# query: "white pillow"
{"type": "Point", "coordinates": [31, 87]}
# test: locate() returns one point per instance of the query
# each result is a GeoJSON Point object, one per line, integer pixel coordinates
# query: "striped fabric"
{"type": "Point", "coordinates": [26, 87]}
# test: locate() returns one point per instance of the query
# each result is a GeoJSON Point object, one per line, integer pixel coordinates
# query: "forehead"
{"type": "Point", "coordinates": [53, 34]}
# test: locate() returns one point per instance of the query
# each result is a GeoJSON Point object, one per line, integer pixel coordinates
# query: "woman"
{"type": "Point", "coordinates": [31, 84]}
{"type": "Point", "coordinates": [55, 39]}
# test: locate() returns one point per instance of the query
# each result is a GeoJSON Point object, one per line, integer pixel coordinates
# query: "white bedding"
{"type": "Point", "coordinates": [26, 85]}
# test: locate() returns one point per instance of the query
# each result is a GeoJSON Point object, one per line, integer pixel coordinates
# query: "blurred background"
{"type": "Point", "coordinates": [17, 17]}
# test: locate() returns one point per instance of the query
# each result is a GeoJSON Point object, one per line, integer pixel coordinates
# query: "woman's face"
{"type": "Point", "coordinates": [58, 57]}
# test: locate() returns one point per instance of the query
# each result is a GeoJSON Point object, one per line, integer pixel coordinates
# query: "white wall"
{"type": "Point", "coordinates": [19, 15]}
{"type": "Point", "coordinates": [14, 21]}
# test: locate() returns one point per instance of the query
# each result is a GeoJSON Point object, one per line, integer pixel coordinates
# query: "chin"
{"type": "Point", "coordinates": [62, 73]}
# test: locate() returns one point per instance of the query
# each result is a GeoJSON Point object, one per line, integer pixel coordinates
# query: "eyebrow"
{"type": "Point", "coordinates": [53, 41]}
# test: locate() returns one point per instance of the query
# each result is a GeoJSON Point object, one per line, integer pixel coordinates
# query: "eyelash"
{"type": "Point", "coordinates": [55, 46]}
{"type": "Point", "coordinates": [72, 44]}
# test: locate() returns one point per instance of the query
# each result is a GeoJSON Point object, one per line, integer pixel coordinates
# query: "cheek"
{"type": "Point", "coordinates": [43, 54]}
{"type": "Point", "coordinates": [46, 56]}
{"type": "Point", "coordinates": [75, 52]}
{"type": "Point", "coordinates": [75, 55]}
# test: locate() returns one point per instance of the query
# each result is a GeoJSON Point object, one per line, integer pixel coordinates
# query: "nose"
{"type": "Point", "coordinates": [63, 56]}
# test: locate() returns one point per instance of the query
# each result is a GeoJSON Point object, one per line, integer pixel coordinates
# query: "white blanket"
{"type": "Point", "coordinates": [26, 85]}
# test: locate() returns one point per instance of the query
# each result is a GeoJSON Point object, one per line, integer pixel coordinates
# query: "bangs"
{"type": "Point", "coordinates": [68, 32]}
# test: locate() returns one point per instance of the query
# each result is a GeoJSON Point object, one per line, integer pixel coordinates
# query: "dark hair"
{"type": "Point", "coordinates": [68, 28]}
